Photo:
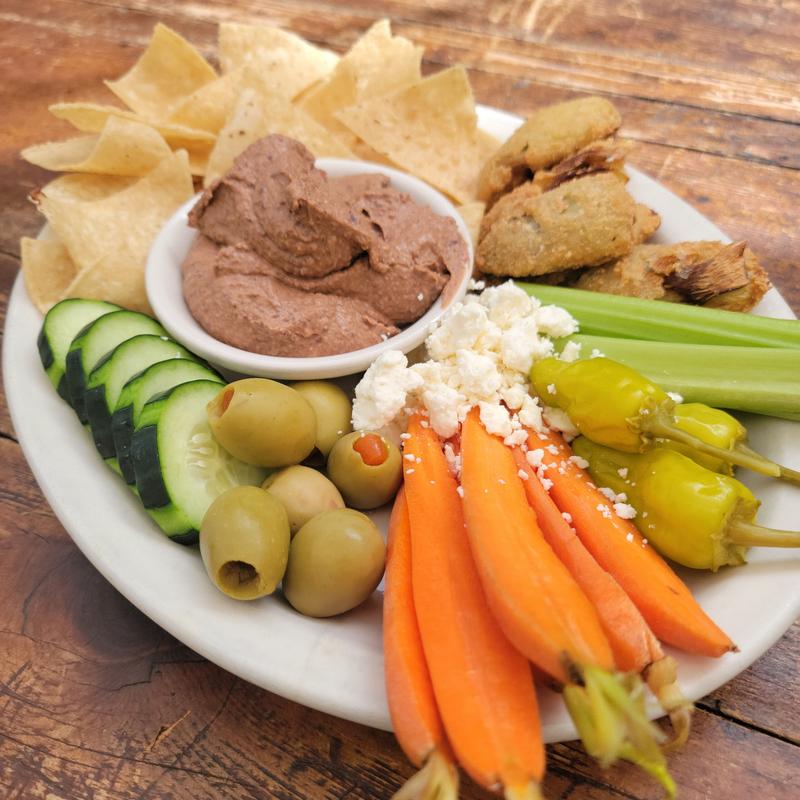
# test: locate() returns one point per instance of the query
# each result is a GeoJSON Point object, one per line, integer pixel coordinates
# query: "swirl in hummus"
{"type": "Point", "coordinates": [292, 262]}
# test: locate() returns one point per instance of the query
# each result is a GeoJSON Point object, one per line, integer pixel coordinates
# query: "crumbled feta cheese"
{"type": "Point", "coordinates": [530, 415]}
{"type": "Point", "coordinates": [534, 457]}
{"type": "Point", "coordinates": [675, 397]}
{"type": "Point", "coordinates": [460, 490]}
{"type": "Point", "coordinates": [571, 351]}
{"type": "Point", "coordinates": [408, 457]}
{"type": "Point", "coordinates": [453, 459]}
{"type": "Point", "coordinates": [558, 419]}
{"type": "Point", "coordinates": [523, 475]}
{"type": "Point", "coordinates": [552, 449]}
{"type": "Point", "coordinates": [496, 419]}
{"type": "Point", "coordinates": [476, 286]}
{"type": "Point", "coordinates": [547, 484]}
{"type": "Point", "coordinates": [555, 321]}
{"type": "Point", "coordinates": [567, 516]}
{"type": "Point", "coordinates": [622, 472]}
{"type": "Point", "coordinates": [596, 354]}
{"type": "Point", "coordinates": [479, 354]}
{"type": "Point", "coordinates": [517, 437]}
{"type": "Point", "coordinates": [629, 537]}
{"type": "Point", "coordinates": [624, 510]}
{"type": "Point", "coordinates": [604, 510]}
{"type": "Point", "coordinates": [381, 394]}
{"type": "Point", "coordinates": [579, 462]}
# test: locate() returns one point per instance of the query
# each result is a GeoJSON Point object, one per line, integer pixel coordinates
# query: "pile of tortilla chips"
{"type": "Point", "coordinates": [133, 167]}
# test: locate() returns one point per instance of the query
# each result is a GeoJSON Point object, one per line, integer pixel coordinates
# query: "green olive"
{"type": "Point", "coordinates": [263, 422]}
{"type": "Point", "coordinates": [304, 493]}
{"type": "Point", "coordinates": [335, 562]}
{"type": "Point", "coordinates": [244, 542]}
{"type": "Point", "coordinates": [332, 408]}
{"type": "Point", "coordinates": [366, 468]}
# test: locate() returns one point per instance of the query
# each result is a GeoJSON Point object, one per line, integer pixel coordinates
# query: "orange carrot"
{"type": "Point", "coordinates": [660, 595]}
{"type": "Point", "coordinates": [635, 647]}
{"type": "Point", "coordinates": [538, 604]}
{"type": "Point", "coordinates": [632, 642]}
{"type": "Point", "coordinates": [412, 705]}
{"type": "Point", "coordinates": [483, 686]}
{"type": "Point", "coordinates": [545, 613]}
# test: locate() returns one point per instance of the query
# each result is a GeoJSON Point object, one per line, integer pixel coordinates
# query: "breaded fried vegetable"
{"type": "Point", "coordinates": [583, 222]}
{"type": "Point", "coordinates": [606, 155]}
{"type": "Point", "coordinates": [645, 223]}
{"type": "Point", "coordinates": [548, 136]}
{"type": "Point", "coordinates": [704, 273]}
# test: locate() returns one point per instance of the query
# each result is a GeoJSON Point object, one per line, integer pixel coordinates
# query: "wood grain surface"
{"type": "Point", "coordinates": [98, 702]}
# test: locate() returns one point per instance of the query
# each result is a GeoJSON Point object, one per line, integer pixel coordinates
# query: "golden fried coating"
{"type": "Point", "coordinates": [548, 136]}
{"type": "Point", "coordinates": [604, 155]}
{"type": "Point", "coordinates": [704, 273]}
{"type": "Point", "coordinates": [583, 222]}
{"type": "Point", "coordinates": [645, 223]}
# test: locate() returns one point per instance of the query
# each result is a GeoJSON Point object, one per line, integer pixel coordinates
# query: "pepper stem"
{"type": "Point", "coordinates": [662, 679]}
{"type": "Point", "coordinates": [750, 534]}
{"type": "Point", "coordinates": [437, 780]}
{"type": "Point", "coordinates": [787, 474]}
{"type": "Point", "coordinates": [656, 425]}
{"type": "Point", "coordinates": [608, 712]}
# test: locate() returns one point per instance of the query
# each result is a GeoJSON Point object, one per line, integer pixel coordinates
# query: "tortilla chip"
{"type": "Point", "coordinates": [377, 64]}
{"type": "Point", "coordinates": [208, 107]}
{"type": "Point", "coordinates": [91, 118]}
{"type": "Point", "coordinates": [109, 237]}
{"type": "Point", "coordinates": [124, 147]}
{"type": "Point", "coordinates": [472, 214]}
{"type": "Point", "coordinates": [287, 63]}
{"type": "Point", "coordinates": [258, 115]}
{"type": "Point", "coordinates": [428, 129]}
{"type": "Point", "coordinates": [168, 70]}
{"type": "Point", "coordinates": [47, 270]}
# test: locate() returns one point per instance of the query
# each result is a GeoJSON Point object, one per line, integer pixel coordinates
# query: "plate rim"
{"type": "Point", "coordinates": [322, 701]}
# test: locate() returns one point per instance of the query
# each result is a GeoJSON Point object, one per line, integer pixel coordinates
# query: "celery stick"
{"type": "Point", "coordinates": [763, 381]}
{"type": "Point", "coordinates": [656, 320]}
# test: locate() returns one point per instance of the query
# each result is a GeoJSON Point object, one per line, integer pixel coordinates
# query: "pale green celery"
{"type": "Point", "coordinates": [756, 379]}
{"type": "Point", "coordinates": [601, 314]}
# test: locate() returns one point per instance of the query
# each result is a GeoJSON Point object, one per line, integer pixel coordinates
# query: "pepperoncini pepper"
{"type": "Point", "coordinates": [614, 405]}
{"type": "Point", "coordinates": [694, 516]}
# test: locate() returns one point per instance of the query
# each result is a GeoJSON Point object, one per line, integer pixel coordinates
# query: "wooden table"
{"type": "Point", "coordinates": [95, 700]}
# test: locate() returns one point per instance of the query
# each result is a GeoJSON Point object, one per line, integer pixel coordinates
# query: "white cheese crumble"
{"type": "Point", "coordinates": [571, 351]}
{"type": "Point", "coordinates": [534, 457]}
{"type": "Point", "coordinates": [624, 511]}
{"type": "Point", "coordinates": [479, 354]}
{"type": "Point", "coordinates": [675, 397]}
{"type": "Point", "coordinates": [622, 472]}
{"type": "Point", "coordinates": [579, 462]}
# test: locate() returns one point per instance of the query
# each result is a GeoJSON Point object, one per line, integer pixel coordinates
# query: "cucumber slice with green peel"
{"type": "Point", "coordinates": [180, 469]}
{"type": "Point", "coordinates": [61, 325]}
{"type": "Point", "coordinates": [94, 341]}
{"type": "Point", "coordinates": [105, 382]}
{"type": "Point", "coordinates": [141, 388]}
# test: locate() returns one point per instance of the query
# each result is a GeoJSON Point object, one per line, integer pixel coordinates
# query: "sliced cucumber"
{"type": "Point", "coordinates": [141, 388]}
{"type": "Point", "coordinates": [94, 341]}
{"type": "Point", "coordinates": [179, 466]}
{"type": "Point", "coordinates": [61, 324]}
{"type": "Point", "coordinates": [105, 382]}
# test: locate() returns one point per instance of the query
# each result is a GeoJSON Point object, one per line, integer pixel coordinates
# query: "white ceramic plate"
{"type": "Point", "coordinates": [336, 665]}
{"type": "Point", "coordinates": [165, 292]}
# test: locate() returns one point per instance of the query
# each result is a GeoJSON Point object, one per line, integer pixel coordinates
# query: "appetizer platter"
{"type": "Point", "coordinates": [526, 463]}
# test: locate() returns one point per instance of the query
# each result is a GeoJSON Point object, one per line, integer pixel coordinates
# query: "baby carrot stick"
{"type": "Point", "coordinates": [543, 610]}
{"type": "Point", "coordinates": [663, 599]}
{"type": "Point", "coordinates": [537, 602]}
{"type": "Point", "coordinates": [412, 705]}
{"type": "Point", "coordinates": [634, 645]}
{"type": "Point", "coordinates": [483, 686]}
